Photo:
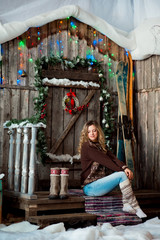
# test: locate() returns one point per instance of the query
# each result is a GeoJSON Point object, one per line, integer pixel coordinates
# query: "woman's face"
{"type": "Point", "coordinates": [92, 133]}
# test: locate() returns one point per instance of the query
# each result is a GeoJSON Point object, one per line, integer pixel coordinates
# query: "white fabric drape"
{"type": "Point", "coordinates": [132, 24]}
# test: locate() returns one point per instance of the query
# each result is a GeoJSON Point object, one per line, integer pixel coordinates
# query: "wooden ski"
{"type": "Point", "coordinates": [120, 142]}
{"type": "Point", "coordinates": [124, 122]}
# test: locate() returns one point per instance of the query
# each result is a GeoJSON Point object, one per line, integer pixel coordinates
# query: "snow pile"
{"type": "Point", "coordinates": [19, 227]}
{"type": "Point", "coordinates": [67, 82]}
{"type": "Point", "coordinates": [2, 175]}
{"type": "Point", "coordinates": [150, 230]}
{"type": "Point", "coordinates": [63, 158]}
{"type": "Point", "coordinates": [24, 124]}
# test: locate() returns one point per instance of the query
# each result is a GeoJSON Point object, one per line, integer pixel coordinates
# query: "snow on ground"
{"type": "Point", "coordinates": [25, 231]}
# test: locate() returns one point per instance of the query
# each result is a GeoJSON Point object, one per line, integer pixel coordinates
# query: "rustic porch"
{"type": "Point", "coordinates": [79, 210]}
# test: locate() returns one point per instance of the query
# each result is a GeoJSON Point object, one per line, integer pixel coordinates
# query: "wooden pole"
{"type": "Point", "coordinates": [24, 162]}
{"type": "Point", "coordinates": [17, 161]}
{"type": "Point", "coordinates": [10, 162]}
{"type": "Point", "coordinates": [31, 181]}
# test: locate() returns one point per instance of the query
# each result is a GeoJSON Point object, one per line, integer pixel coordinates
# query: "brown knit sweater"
{"type": "Point", "coordinates": [90, 154]}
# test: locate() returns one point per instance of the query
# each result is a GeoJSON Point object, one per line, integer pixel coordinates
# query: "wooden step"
{"type": "Point", "coordinates": [74, 220]}
{"type": "Point", "coordinates": [152, 212]}
{"type": "Point", "coordinates": [43, 203]}
{"type": "Point", "coordinates": [148, 198]}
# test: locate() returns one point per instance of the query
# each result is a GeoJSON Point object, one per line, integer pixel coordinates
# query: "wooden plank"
{"type": "Point", "coordinates": [1, 201]}
{"type": "Point", "coordinates": [70, 219]}
{"type": "Point", "coordinates": [77, 175]}
{"type": "Point", "coordinates": [158, 74]}
{"type": "Point", "coordinates": [44, 40]}
{"type": "Point", "coordinates": [153, 70]}
{"type": "Point", "coordinates": [135, 76]}
{"type": "Point", "coordinates": [17, 87]}
{"type": "Point", "coordinates": [24, 52]}
{"type": "Point", "coordinates": [24, 104]}
{"type": "Point", "coordinates": [150, 138]}
{"type": "Point", "coordinates": [82, 48]}
{"type": "Point", "coordinates": [32, 95]}
{"type": "Point", "coordinates": [149, 90]}
{"type": "Point", "coordinates": [24, 197]}
{"type": "Point", "coordinates": [12, 63]}
{"type": "Point", "coordinates": [73, 39]}
{"type": "Point", "coordinates": [64, 44]}
{"type": "Point", "coordinates": [1, 124]}
{"type": "Point", "coordinates": [46, 201]}
{"type": "Point", "coordinates": [156, 136]}
{"type": "Point", "coordinates": [49, 40]}
{"type": "Point", "coordinates": [57, 117]}
{"type": "Point", "coordinates": [139, 132]}
{"type": "Point", "coordinates": [80, 121]}
{"type": "Point", "coordinates": [136, 132]}
{"type": "Point", "coordinates": [63, 37]}
{"type": "Point", "coordinates": [68, 141]}
{"type": "Point", "coordinates": [5, 63]}
{"type": "Point", "coordinates": [121, 54]}
{"type": "Point", "coordinates": [48, 130]}
{"type": "Point", "coordinates": [60, 206]}
{"type": "Point", "coordinates": [90, 37]}
{"type": "Point", "coordinates": [94, 112]}
{"type": "Point", "coordinates": [52, 32]}
{"type": "Point", "coordinates": [99, 37]}
{"type": "Point", "coordinates": [15, 104]}
{"type": "Point", "coordinates": [141, 70]}
{"type": "Point", "coordinates": [143, 142]}
{"type": "Point", "coordinates": [72, 75]}
{"type": "Point", "coordinates": [6, 116]}
{"type": "Point", "coordinates": [71, 123]}
{"type": "Point", "coordinates": [147, 73]}
{"type": "Point", "coordinates": [57, 40]}
{"type": "Point", "coordinates": [32, 56]}
{"type": "Point", "coordinates": [82, 43]}
{"type": "Point", "coordinates": [53, 27]}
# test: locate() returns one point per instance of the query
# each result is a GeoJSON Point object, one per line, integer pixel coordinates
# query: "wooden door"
{"type": "Point", "coordinates": [63, 129]}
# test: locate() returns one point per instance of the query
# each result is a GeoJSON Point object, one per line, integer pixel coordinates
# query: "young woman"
{"type": "Point", "coordinates": [94, 159]}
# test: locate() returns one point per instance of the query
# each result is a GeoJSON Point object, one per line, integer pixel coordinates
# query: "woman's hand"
{"type": "Point", "coordinates": [129, 173]}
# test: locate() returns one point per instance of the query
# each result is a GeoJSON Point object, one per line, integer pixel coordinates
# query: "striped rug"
{"type": "Point", "coordinates": [107, 208]}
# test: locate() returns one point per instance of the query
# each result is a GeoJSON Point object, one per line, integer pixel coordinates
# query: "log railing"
{"type": "Point", "coordinates": [22, 158]}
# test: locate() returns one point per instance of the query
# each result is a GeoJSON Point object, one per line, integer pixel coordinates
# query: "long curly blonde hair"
{"type": "Point", "coordinates": [84, 135]}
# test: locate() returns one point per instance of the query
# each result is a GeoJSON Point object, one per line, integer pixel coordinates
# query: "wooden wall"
{"type": "Point", "coordinates": [61, 38]}
{"type": "Point", "coordinates": [147, 122]}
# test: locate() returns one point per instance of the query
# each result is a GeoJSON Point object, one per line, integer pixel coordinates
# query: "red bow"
{"type": "Point", "coordinates": [71, 95]}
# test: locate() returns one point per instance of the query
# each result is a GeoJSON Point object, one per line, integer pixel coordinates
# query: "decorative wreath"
{"type": "Point", "coordinates": [70, 103]}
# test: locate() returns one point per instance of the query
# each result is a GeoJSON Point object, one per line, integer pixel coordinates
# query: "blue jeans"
{"type": "Point", "coordinates": [104, 185]}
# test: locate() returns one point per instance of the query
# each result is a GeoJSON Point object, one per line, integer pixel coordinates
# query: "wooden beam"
{"type": "Point", "coordinates": [73, 75]}
{"type": "Point", "coordinates": [71, 123]}
{"type": "Point", "coordinates": [17, 87]}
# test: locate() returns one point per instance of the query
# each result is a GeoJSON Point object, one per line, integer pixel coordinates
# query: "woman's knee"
{"type": "Point", "coordinates": [123, 176]}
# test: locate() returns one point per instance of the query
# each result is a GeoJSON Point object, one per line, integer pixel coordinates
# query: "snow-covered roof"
{"type": "Point", "coordinates": [132, 24]}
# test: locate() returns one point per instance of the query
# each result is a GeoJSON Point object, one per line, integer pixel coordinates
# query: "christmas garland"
{"type": "Point", "coordinates": [105, 97]}
{"type": "Point", "coordinates": [40, 104]}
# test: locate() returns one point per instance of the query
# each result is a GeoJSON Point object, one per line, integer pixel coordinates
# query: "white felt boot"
{"type": "Point", "coordinates": [130, 203]}
{"type": "Point", "coordinates": [54, 183]}
{"type": "Point", "coordinates": [64, 183]}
